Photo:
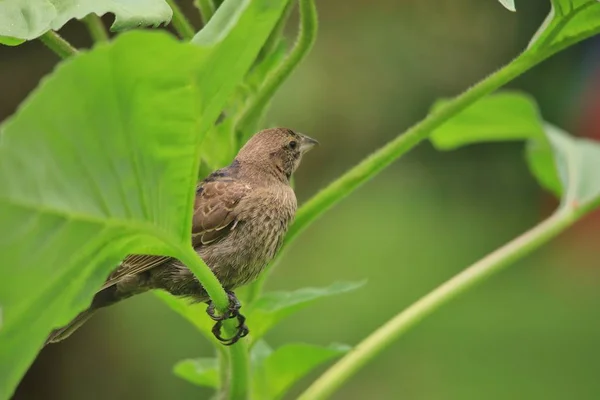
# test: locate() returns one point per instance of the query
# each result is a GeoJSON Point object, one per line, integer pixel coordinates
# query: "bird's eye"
{"type": "Point", "coordinates": [293, 144]}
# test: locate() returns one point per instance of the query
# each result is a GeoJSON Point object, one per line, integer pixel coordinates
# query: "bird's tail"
{"type": "Point", "coordinates": [62, 333]}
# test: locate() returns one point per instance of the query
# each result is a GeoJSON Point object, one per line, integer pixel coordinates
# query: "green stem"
{"type": "Point", "coordinates": [209, 281]}
{"type": "Point", "coordinates": [57, 44]}
{"type": "Point", "coordinates": [240, 372]}
{"type": "Point", "coordinates": [375, 343]}
{"type": "Point", "coordinates": [180, 22]}
{"type": "Point", "coordinates": [237, 386]}
{"type": "Point", "coordinates": [305, 41]}
{"type": "Point", "coordinates": [386, 155]}
{"type": "Point", "coordinates": [207, 10]}
{"type": "Point", "coordinates": [96, 28]}
{"type": "Point", "coordinates": [394, 149]}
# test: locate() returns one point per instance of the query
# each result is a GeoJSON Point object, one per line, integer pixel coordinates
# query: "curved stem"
{"type": "Point", "coordinates": [209, 281]}
{"type": "Point", "coordinates": [180, 22]}
{"type": "Point", "coordinates": [58, 44]}
{"type": "Point", "coordinates": [305, 41]}
{"type": "Point", "coordinates": [383, 157]}
{"type": "Point", "coordinates": [370, 347]}
{"type": "Point", "coordinates": [237, 386]}
{"type": "Point", "coordinates": [96, 28]}
{"type": "Point", "coordinates": [207, 9]}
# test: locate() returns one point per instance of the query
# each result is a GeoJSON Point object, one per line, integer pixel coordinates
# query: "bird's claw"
{"type": "Point", "coordinates": [233, 311]}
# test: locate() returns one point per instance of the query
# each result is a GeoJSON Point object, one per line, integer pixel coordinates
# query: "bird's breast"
{"type": "Point", "coordinates": [255, 240]}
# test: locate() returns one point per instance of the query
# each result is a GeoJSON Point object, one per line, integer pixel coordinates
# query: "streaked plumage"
{"type": "Point", "coordinates": [241, 215]}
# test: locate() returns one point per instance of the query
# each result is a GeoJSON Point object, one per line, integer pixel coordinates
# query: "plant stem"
{"type": "Point", "coordinates": [57, 44]}
{"type": "Point", "coordinates": [306, 38]}
{"type": "Point", "coordinates": [209, 281]}
{"type": "Point", "coordinates": [207, 9]}
{"type": "Point", "coordinates": [237, 386]}
{"type": "Point", "coordinates": [394, 149]}
{"type": "Point", "coordinates": [240, 372]}
{"type": "Point", "coordinates": [96, 28]}
{"type": "Point", "coordinates": [383, 157]}
{"type": "Point", "coordinates": [180, 22]}
{"type": "Point", "coordinates": [332, 379]}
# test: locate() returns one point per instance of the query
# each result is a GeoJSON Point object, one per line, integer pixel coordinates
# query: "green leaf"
{"type": "Point", "coordinates": [200, 371]}
{"type": "Point", "coordinates": [508, 4]}
{"type": "Point", "coordinates": [578, 162]}
{"type": "Point", "coordinates": [272, 307]}
{"type": "Point", "coordinates": [569, 21]}
{"type": "Point", "coordinates": [87, 176]}
{"type": "Point", "coordinates": [10, 41]}
{"type": "Point", "coordinates": [29, 19]}
{"type": "Point", "coordinates": [504, 116]}
{"type": "Point", "coordinates": [288, 364]}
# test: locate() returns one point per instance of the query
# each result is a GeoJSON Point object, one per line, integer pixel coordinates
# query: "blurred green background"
{"type": "Point", "coordinates": [530, 333]}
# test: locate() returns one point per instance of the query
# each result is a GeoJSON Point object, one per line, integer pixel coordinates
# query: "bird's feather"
{"type": "Point", "coordinates": [214, 216]}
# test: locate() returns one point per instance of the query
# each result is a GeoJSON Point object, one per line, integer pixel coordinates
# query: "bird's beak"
{"type": "Point", "coordinates": [306, 143]}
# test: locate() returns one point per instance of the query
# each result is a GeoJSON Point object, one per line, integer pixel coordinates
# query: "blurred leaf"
{"type": "Point", "coordinates": [193, 312]}
{"type": "Point", "coordinates": [200, 371]}
{"type": "Point", "coordinates": [504, 116]}
{"type": "Point", "coordinates": [567, 166]}
{"type": "Point", "coordinates": [508, 4]}
{"type": "Point", "coordinates": [29, 19]}
{"type": "Point", "coordinates": [87, 177]}
{"type": "Point", "coordinates": [578, 162]}
{"type": "Point", "coordinates": [288, 364]}
{"type": "Point", "coordinates": [272, 307]}
{"type": "Point", "coordinates": [569, 21]}
{"type": "Point", "coordinates": [259, 352]}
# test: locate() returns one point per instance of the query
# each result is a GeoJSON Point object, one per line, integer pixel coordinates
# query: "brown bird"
{"type": "Point", "coordinates": [241, 215]}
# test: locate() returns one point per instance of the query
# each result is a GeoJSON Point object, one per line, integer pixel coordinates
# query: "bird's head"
{"type": "Point", "coordinates": [277, 151]}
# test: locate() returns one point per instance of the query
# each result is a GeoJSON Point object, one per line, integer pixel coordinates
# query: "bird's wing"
{"type": "Point", "coordinates": [215, 210]}
{"type": "Point", "coordinates": [132, 265]}
{"type": "Point", "coordinates": [215, 215]}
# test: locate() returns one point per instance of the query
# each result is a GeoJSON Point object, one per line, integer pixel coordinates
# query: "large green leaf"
{"type": "Point", "coordinates": [569, 21]}
{"type": "Point", "coordinates": [287, 365]}
{"type": "Point", "coordinates": [29, 19]}
{"type": "Point", "coordinates": [272, 307]}
{"type": "Point", "coordinates": [567, 166]}
{"type": "Point", "coordinates": [88, 175]}
{"type": "Point", "coordinates": [101, 161]}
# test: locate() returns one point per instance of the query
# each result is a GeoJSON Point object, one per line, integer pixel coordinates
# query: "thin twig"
{"type": "Point", "coordinates": [96, 28]}
{"type": "Point", "coordinates": [180, 22]}
{"type": "Point", "coordinates": [58, 44]}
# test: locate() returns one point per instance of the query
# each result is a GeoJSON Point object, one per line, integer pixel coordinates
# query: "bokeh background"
{"type": "Point", "coordinates": [531, 332]}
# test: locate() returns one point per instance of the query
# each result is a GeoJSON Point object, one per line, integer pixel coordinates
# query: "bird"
{"type": "Point", "coordinates": [240, 217]}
